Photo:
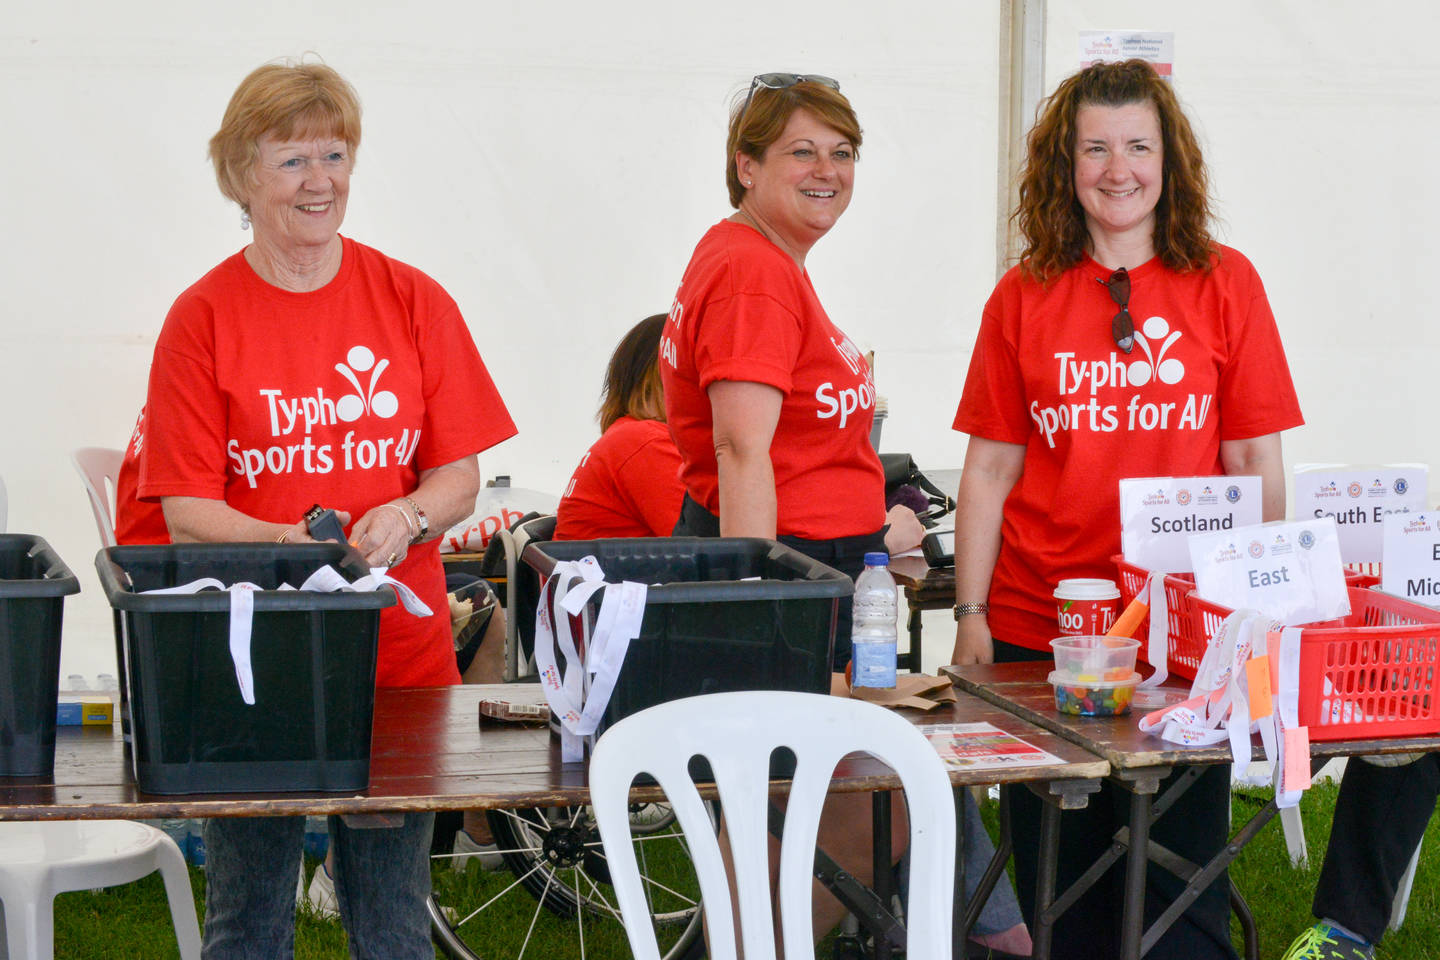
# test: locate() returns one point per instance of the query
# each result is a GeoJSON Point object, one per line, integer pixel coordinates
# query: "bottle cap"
{"type": "Point", "coordinates": [877, 559]}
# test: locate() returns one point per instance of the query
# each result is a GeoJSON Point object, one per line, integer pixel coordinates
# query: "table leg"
{"type": "Point", "coordinates": [880, 844]}
{"type": "Point", "coordinates": [912, 623]}
{"type": "Point", "coordinates": [1133, 922]}
{"type": "Point", "coordinates": [1046, 865]}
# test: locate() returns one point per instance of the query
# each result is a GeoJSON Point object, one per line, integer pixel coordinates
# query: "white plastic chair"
{"type": "Point", "coordinates": [98, 468]}
{"type": "Point", "coordinates": [39, 860]}
{"type": "Point", "coordinates": [737, 732]}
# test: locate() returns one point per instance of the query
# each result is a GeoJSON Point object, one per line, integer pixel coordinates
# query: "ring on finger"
{"type": "Point", "coordinates": [390, 560]}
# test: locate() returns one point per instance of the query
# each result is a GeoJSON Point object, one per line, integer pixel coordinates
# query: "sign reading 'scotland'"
{"type": "Point", "coordinates": [1157, 514]}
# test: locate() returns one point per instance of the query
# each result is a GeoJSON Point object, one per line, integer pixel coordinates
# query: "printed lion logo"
{"type": "Point", "coordinates": [1401, 486]}
{"type": "Point", "coordinates": [1232, 493]}
{"type": "Point", "coordinates": [1306, 539]}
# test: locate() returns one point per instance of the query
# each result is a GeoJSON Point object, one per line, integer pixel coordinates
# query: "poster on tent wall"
{"type": "Point", "coordinates": [1106, 46]}
{"type": "Point", "coordinates": [1359, 498]}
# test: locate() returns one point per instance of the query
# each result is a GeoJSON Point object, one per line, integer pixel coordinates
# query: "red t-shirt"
{"type": "Point", "coordinates": [1207, 366]}
{"type": "Point", "coordinates": [627, 485]}
{"type": "Point", "coordinates": [136, 521]}
{"type": "Point", "coordinates": [745, 311]}
{"type": "Point", "coordinates": [273, 400]}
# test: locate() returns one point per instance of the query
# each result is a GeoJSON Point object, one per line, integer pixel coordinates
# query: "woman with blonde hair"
{"type": "Point", "coordinates": [308, 368]}
{"type": "Point", "coordinates": [1067, 392]}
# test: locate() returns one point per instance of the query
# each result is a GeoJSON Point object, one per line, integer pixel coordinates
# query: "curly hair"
{"type": "Point", "coordinates": [1049, 214]}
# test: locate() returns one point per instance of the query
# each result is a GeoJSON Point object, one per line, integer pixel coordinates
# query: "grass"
{"type": "Point", "coordinates": [133, 921]}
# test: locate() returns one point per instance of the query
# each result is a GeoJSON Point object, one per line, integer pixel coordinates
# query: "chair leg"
{"type": "Point", "coordinates": [182, 899]}
{"type": "Point", "coordinates": [1402, 892]}
{"type": "Point", "coordinates": [1294, 829]}
{"type": "Point", "coordinates": [30, 925]}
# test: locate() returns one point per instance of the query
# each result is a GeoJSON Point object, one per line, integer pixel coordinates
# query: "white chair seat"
{"type": "Point", "coordinates": [41, 859]}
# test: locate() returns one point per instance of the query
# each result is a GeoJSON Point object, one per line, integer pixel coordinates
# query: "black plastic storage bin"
{"type": "Point", "coordinates": [33, 586]}
{"type": "Point", "coordinates": [314, 665]}
{"type": "Point", "coordinates": [720, 614]}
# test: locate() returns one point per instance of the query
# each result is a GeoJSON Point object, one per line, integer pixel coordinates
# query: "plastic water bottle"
{"type": "Point", "coordinates": [873, 624]}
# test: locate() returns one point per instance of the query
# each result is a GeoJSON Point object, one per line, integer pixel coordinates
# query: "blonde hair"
{"type": "Point", "coordinates": [286, 101]}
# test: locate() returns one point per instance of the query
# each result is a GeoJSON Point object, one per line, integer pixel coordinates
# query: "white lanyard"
{"type": "Point", "coordinates": [1158, 647]}
{"type": "Point", "coordinates": [577, 700]}
{"type": "Point", "coordinates": [242, 609]}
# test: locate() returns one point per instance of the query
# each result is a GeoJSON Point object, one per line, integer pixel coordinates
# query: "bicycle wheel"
{"type": "Point", "coordinates": [555, 898]}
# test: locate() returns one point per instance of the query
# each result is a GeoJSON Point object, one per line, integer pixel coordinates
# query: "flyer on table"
{"type": "Point", "coordinates": [1411, 557]}
{"type": "Point", "coordinates": [1290, 570]}
{"type": "Point", "coordinates": [1159, 514]}
{"type": "Point", "coordinates": [1359, 498]}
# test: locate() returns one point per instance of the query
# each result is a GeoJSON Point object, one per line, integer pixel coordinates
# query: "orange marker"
{"type": "Point", "coordinates": [1129, 621]}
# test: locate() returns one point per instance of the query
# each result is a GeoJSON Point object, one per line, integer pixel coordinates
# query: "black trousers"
{"type": "Point", "coordinates": [1196, 828]}
{"type": "Point", "coordinates": [1380, 816]}
{"type": "Point", "coordinates": [846, 554]}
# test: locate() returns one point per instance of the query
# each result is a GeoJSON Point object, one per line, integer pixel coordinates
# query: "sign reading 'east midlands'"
{"type": "Point", "coordinates": [1159, 514]}
{"type": "Point", "coordinates": [1411, 557]}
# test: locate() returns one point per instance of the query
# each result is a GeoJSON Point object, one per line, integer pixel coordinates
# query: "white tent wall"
{"type": "Point", "coordinates": [552, 165]}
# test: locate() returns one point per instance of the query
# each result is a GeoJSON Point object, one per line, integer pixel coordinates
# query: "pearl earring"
{"type": "Point", "coordinates": [244, 219]}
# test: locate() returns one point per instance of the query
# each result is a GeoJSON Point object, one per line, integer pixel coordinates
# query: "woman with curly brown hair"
{"type": "Point", "coordinates": [1126, 343]}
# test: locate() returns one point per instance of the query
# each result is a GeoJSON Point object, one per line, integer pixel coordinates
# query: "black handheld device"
{"type": "Point", "coordinates": [322, 524]}
{"type": "Point", "coordinates": [939, 548]}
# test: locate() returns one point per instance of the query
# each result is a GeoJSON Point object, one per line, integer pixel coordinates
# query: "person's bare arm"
{"type": "Point", "coordinates": [744, 415]}
{"type": "Point", "coordinates": [1259, 456]}
{"type": "Point", "coordinates": [446, 494]}
{"type": "Point", "coordinates": [991, 469]}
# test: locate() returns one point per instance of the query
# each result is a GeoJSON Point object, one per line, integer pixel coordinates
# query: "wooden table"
{"type": "Point", "coordinates": [430, 752]}
{"type": "Point", "coordinates": [1138, 762]}
{"type": "Point", "coordinates": [926, 588]}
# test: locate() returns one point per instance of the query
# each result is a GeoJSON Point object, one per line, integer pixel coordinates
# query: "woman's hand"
{"type": "Point", "coordinates": [972, 641]}
{"type": "Point", "coordinates": [906, 531]}
{"type": "Point", "coordinates": [384, 533]}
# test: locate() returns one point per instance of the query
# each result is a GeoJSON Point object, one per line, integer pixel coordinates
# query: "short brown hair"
{"type": "Point", "coordinates": [1049, 214]}
{"type": "Point", "coordinates": [632, 380]}
{"type": "Point", "coordinates": [754, 127]}
{"type": "Point", "coordinates": [285, 101]}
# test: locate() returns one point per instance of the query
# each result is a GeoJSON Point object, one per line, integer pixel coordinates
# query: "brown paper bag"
{"type": "Point", "coordinates": [918, 690]}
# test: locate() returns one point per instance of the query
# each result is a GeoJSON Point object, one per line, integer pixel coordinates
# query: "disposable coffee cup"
{"type": "Point", "coordinates": [1086, 607]}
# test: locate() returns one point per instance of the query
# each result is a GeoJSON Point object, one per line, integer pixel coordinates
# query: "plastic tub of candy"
{"type": "Point", "coordinates": [1093, 698]}
{"type": "Point", "coordinates": [1095, 658]}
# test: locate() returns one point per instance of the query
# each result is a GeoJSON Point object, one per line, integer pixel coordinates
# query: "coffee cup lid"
{"type": "Point", "coordinates": [1086, 588]}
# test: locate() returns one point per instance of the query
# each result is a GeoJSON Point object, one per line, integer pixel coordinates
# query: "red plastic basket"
{"type": "Point", "coordinates": [1187, 646]}
{"type": "Point", "coordinates": [1371, 674]}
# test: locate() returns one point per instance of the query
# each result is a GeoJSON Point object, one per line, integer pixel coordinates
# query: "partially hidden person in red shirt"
{"type": "Point", "coordinates": [309, 368]}
{"type": "Point", "coordinates": [1127, 342]}
{"type": "Point", "coordinates": [136, 521]}
{"type": "Point", "coordinates": [628, 483]}
{"type": "Point", "coordinates": [770, 403]}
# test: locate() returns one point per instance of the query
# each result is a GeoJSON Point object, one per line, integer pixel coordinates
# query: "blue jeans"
{"type": "Point", "coordinates": [382, 879]}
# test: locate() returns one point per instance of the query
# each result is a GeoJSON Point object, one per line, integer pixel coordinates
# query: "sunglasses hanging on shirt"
{"type": "Point", "coordinates": [1122, 327]}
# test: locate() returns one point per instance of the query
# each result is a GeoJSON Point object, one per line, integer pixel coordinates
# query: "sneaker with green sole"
{"type": "Point", "coordinates": [1324, 942]}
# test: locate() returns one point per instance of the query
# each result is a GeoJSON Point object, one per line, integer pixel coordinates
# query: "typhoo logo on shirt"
{"type": "Point", "coordinates": [287, 415]}
{"type": "Point", "coordinates": [843, 401]}
{"type": "Point", "coordinates": [1077, 376]}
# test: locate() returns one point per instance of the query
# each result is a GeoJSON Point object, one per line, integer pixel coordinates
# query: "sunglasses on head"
{"type": "Point", "coordinates": [1122, 327]}
{"type": "Point", "coordinates": [779, 81]}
